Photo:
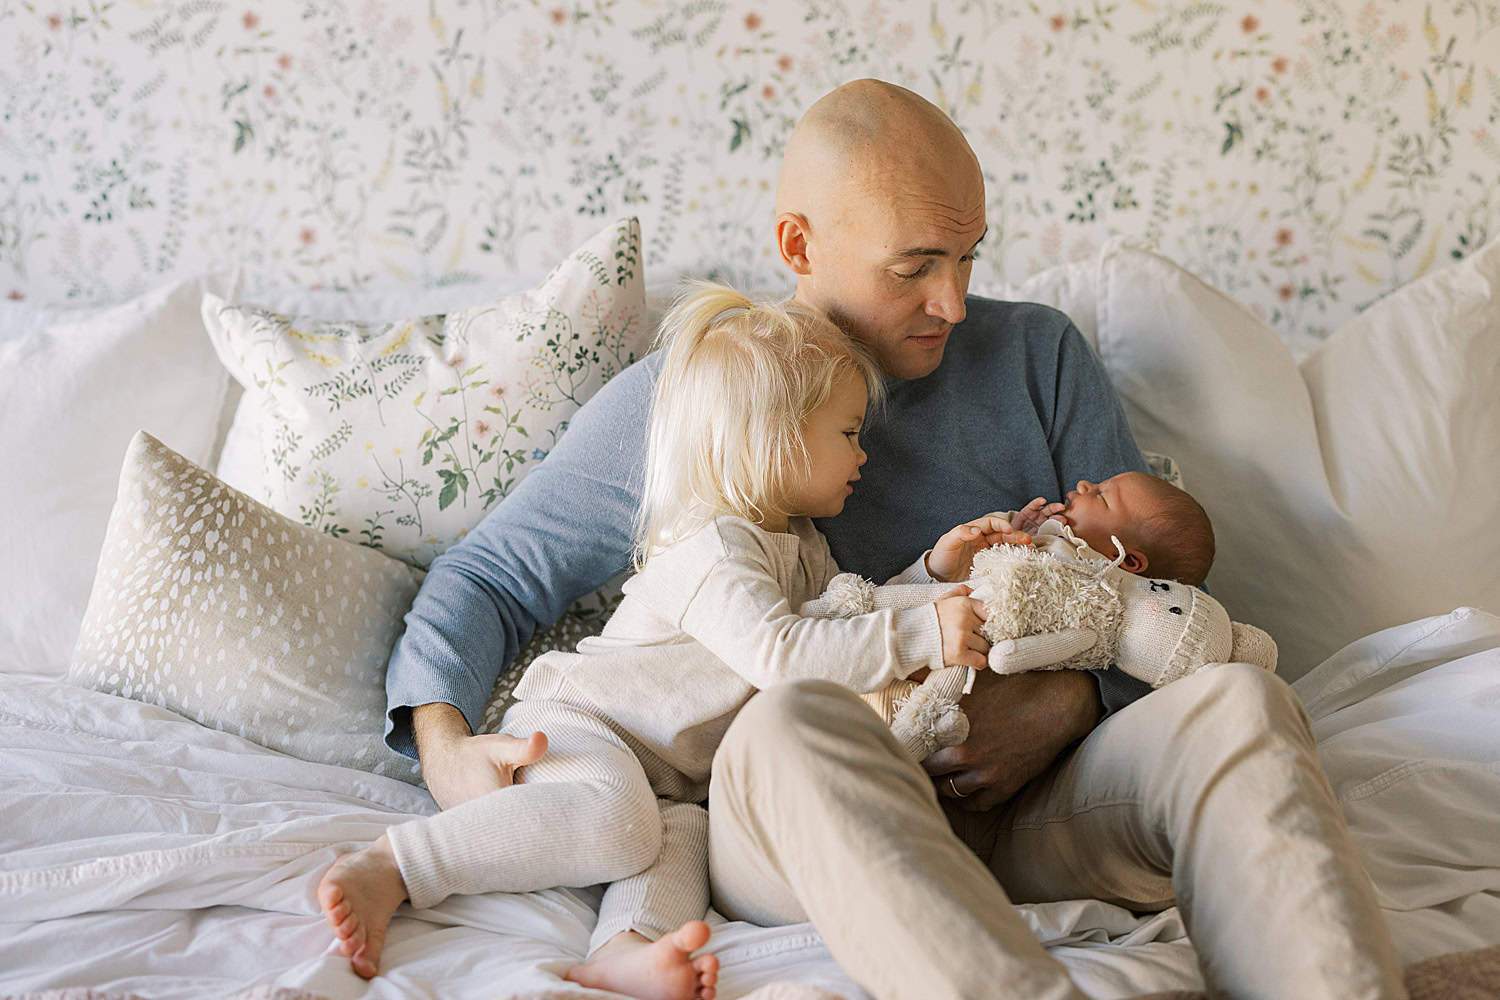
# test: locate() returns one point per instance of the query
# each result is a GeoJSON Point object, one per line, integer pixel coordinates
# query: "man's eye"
{"type": "Point", "coordinates": [908, 276]}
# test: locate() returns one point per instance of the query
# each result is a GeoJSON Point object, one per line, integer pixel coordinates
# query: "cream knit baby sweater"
{"type": "Point", "coordinates": [712, 619]}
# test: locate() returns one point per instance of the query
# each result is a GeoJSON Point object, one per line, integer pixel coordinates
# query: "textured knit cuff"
{"type": "Point", "coordinates": [916, 572]}
{"type": "Point", "coordinates": [919, 639]}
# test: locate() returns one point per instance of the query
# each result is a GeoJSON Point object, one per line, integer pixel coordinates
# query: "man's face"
{"type": "Point", "coordinates": [892, 267]}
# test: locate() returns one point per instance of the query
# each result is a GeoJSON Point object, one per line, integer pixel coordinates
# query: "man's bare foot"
{"type": "Point", "coordinates": [359, 893]}
{"type": "Point", "coordinates": [664, 970]}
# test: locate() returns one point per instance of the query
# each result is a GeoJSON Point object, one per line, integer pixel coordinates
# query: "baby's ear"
{"type": "Point", "coordinates": [1135, 561]}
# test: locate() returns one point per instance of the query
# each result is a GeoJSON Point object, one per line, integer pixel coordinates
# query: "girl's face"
{"type": "Point", "coordinates": [831, 436]}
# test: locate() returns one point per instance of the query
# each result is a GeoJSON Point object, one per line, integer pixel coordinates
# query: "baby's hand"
{"type": "Point", "coordinates": [953, 556]}
{"type": "Point", "coordinates": [959, 619]}
{"type": "Point", "coordinates": [1032, 516]}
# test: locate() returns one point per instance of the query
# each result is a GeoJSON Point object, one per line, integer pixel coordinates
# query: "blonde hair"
{"type": "Point", "coordinates": [738, 380]}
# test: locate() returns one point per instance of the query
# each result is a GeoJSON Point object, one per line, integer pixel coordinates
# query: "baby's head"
{"type": "Point", "coordinates": [738, 413]}
{"type": "Point", "coordinates": [1165, 532]}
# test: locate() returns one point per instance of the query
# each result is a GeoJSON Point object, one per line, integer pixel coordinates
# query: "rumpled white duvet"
{"type": "Point", "coordinates": [142, 853]}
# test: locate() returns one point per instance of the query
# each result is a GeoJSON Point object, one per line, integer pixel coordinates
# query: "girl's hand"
{"type": "Point", "coordinates": [953, 556]}
{"type": "Point", "coordinates": [959, 619]}
{"type": "Point", "coordinates": [1031, 516]}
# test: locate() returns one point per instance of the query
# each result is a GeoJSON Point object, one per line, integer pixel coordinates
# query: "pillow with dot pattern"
{"type": "Point", "coordinates": [218, 608]}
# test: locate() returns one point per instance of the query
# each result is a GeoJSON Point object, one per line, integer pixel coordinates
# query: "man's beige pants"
{"type": "Point", "coordinates": [1206, 792]}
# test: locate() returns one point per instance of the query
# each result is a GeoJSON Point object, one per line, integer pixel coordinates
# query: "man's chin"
{"type": "Point", "coordinates": [912, 364]}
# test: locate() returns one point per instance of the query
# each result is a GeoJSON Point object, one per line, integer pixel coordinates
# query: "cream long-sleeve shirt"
{"type": "Point", "coordinates": [711, 620]}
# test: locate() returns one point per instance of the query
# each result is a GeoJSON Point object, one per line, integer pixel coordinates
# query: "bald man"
{"type": "Point", "coordinates": [1206, 793]}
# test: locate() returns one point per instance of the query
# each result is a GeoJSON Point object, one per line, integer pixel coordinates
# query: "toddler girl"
{"type": "Point", "coordinates": [754, 429]}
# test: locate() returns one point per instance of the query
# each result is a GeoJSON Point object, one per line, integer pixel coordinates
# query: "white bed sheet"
{"type": "Point", "coordinates": [143, 853]}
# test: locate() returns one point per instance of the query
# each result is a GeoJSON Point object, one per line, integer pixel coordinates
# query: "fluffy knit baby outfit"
{"type": "Point", "coordinates": [1054, 605]}
{"type": "Point", "coordinates": [634, 716]}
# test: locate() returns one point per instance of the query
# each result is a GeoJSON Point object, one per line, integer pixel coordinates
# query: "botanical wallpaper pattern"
{"type": "Point", "coordinates": [1306, 156]}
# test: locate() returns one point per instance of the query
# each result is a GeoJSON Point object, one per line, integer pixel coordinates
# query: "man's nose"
{"type": "Point", "coordinates": [947, 301]}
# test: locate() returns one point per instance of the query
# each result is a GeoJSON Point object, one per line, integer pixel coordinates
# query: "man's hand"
{"type": "Point", "coordinates": [458, 766]}
{"type": "Point", "coordinates": [953, 555]}
{"type": "Point", "coordinates": [1018, 725]}
{"type": "Point", "coordinates": [1031, 517]}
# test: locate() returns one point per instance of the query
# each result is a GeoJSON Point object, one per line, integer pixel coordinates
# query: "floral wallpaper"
{"type": "Point", "coordinates": [1306, 156]}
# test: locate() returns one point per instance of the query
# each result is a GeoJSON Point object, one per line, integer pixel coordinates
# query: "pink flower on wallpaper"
{"type": "Point", "coordinates": [1286, 292]}
{"type": "Point", "coordinates": [284, 61]}
{"type": "Point", "coordinates": [768, 92]}
{"type": "Point", "coordinates": [784, 63]}
{"type": "Point", "coordinates": [559, 16]}
{"type": "Point", "coordinates": [1057, 22]}
{"type": "Point", "coordinates": [1249, 24]}
{"type": "Point", "coordinates": [752, 21]}
{"type": "Point", "coordinates": [1262, 94]}
{"type": "Point", "coordinates": [15, 295]}
{"type": "Point", "coordinates": [1279, 64]}
{"type": "Point", "coordinates": [54, 22]}
{"type": "Point", "coordinates": [1283, 237]}
{"type": "Point", "coordinates": [269, 91]}
{"type": "Point", "coordinates": [251, 20]}
{"type": "Point", "coordinates": [308, 236]}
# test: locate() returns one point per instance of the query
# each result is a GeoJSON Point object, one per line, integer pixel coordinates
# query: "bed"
{"type": "Point", "coordinates": [187, 262]}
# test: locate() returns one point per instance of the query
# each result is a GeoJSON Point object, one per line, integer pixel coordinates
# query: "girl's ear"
{"type": "Point", "coordinates": [791, 239]}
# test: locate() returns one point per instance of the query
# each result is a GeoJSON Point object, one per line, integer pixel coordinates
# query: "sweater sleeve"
{"type": "Point", "coordinates": [741, 614]}
{"type": "Point", "coordinates": [564, 531]}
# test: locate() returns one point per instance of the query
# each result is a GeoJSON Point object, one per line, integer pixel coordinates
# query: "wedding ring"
{"type": "Point", "coordinates": [955, 789]}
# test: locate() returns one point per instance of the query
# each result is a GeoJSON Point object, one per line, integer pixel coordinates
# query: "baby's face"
{"type": "Point", "coordinates": [1097, 510]}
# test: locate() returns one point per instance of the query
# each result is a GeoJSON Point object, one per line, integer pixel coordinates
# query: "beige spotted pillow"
{"type": "Point", "coordinates": [214, 606]}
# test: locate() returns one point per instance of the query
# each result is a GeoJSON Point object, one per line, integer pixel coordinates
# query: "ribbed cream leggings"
{"type": "Point", "coordinates": [585, 813]}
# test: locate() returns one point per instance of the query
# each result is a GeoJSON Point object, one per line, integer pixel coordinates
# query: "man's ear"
{"type": "Point", "coordinates": [1135, 561]}
{"type": "Point", "coordinates": [792, 233]}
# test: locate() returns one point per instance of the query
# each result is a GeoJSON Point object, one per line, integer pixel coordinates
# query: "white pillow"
{"type": "Point", "coordinates": [71, 396]}
{"type": "Point", "coordinates": [402, 435]}
{"type": "Point", "coordinates": [1355, 492]}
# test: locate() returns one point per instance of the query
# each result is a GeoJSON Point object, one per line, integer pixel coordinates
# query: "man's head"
{"type": "Point", "coordinates": [879, 207]}
{"type": "Point", "coordinates": [1166, 534]}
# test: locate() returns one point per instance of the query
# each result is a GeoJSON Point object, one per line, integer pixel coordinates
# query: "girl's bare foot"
{"type": "Point", "coordinates": [664, 970]}
{"type": "Point", "coordinates": [359, 893]}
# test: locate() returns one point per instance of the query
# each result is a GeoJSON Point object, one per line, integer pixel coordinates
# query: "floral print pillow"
{"type": "Point", "coordinates": [401, 436]}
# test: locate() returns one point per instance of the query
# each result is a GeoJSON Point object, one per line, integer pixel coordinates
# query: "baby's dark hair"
{"type": "Point", "coordinates": [1177, 537]}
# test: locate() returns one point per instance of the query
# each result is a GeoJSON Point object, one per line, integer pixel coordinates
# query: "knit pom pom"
{"type": "Point", "coordinates": [1252, 645]}
{"type": "Point", "coordinates": [849, 594]}
{"type": "Point", "coordinates": [927, 721]}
